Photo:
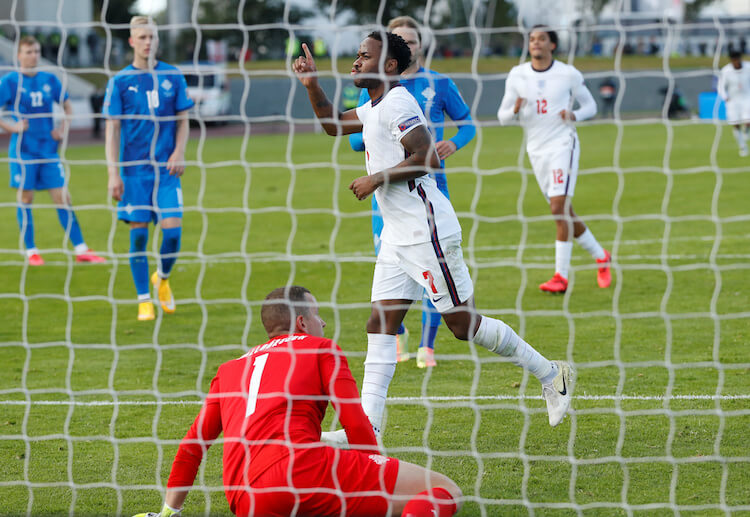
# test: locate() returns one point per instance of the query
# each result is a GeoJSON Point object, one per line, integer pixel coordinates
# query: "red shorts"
{"type": "Point", "coordinates": [325, 481]}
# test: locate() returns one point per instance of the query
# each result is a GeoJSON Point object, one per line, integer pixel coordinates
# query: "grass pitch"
{"type": "Point", "coordinates": [93, 403]}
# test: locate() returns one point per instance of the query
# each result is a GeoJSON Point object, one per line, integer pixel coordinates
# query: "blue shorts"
{"type": "Point", "coordinates": [37, 175]}
{"type": "Point", "coordinates": [149, 198]}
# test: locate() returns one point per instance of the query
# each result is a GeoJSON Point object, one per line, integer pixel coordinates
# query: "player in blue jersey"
{"type": "Point", "coordinates": [146, 106]}
{"type": "Point", "coordinates": [436, 95]}
{"type": "Point", "coordinates": [29, 96]}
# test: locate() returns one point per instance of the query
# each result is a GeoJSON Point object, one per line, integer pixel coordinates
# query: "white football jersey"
{"type": "Point", "coordinates": [413, 211]}
{"type": "Point", "coordinates": [734, 84]}
{"type": "Point", "coordinates": [547, 93]}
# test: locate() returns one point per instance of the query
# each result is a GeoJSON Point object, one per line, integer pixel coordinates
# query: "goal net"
{"type": "Point", "coordinates": [93, 403]}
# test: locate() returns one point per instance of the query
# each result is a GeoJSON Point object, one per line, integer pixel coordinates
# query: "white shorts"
{"type": "Point", "coordinates": [406, 272]}
{"type": "Point", "coordinates": [556, 171]}
{"type": "Point", "coordinates": [738, 110]}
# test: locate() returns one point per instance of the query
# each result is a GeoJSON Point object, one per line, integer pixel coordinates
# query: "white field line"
{"type": "Point", "coordinates": [390, 400]}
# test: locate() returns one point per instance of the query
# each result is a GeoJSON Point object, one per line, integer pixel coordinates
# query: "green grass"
{"type": "Point", "coordinates": [674, 322]}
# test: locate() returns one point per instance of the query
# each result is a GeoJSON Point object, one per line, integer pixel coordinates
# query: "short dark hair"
{"type": "Point", "coordinates": [282, 306]}
{"type": "Point", "coordinates": [735, 53]}
{"type": "Point", "coordinates": [396, 48]}
{"type": "Point", "coordinates": [550, 33]}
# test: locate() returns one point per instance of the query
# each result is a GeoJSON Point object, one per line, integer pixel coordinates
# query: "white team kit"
{"type": "Point", "coordinates": [551, 142]}
{"type": "Point", "coordinates": [734, 90]}
{"type": "Point", "coordinates": [421, 239]}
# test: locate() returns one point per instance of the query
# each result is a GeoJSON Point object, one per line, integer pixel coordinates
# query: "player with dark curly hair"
{"type": "Point", "coordinates": [421, 239]}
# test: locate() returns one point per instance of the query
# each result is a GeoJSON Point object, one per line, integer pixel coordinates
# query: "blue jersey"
{"type": "Point", "coordinates": [154, 97]}
{"type": "Point", "coordinates": [437, 95]}
{"type": "Point", "coordinates": [32, 98]}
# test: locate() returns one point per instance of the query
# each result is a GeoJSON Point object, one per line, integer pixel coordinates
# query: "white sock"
{"type": "Point", "coordinates": [563, 252]}
{"type": "Point", "coordinates": [80, 248]}
{"type": "Point", "coordinates": [590, 244]}
{"type": "Point", "coordinates": [32, 251]}
{"type": "Point", "coordinates": [144, 298]}
{"type": "Point", "coordinates": [380, 365]}
{"type": "Point", "coordinates": [496, 336]}
{"type": "Point", "coordinates": [739, 135]}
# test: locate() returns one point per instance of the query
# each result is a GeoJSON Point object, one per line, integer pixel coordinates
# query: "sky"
{"type": "Point", "coordinates": [151, 6]}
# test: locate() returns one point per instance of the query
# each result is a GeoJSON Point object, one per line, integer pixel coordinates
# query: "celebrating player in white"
{"type": "Point", "coordinates": [421, 239]}
{"type": "Point", "coordinates": [734, 90]}
{"type": "Point", "coordinates": [540, 95]}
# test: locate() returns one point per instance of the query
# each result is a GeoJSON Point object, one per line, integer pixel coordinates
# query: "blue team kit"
{"type": "Point", "coordinates": [34, 162]}
{"type": "Point", "coordinates": [146, 102]}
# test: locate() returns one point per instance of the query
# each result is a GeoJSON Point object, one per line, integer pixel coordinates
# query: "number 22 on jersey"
{"type": "Point", "coordinates": [252, 391]}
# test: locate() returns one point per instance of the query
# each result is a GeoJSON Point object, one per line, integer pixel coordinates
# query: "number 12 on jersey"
{"type": "Point", "coordinates": [541, 106]}
{"type": "Point", "coordinates": [252, 391]}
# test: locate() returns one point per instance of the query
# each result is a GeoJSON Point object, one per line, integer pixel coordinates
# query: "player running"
{"type": "Point", "coordinates": [146, 106]}
{"type": "Point", "coordinates": [421, 239]}
{"type": "Point", "coordinates": [437, 95]}
{"type": "Point", "coordinates": [540, 94]}
{"type": "Point", "coordinates": [734, 90]}
{"type": "Point", "coordinates": [270, 404]}
{"type": "Point", "coordinates": [29, 96]}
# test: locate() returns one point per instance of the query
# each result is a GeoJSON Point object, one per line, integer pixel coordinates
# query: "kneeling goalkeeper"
{"type": "Point", "coordinates": [270, 404]}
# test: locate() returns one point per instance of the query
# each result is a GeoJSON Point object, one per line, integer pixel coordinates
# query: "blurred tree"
{"type": "Point", "coordinates": [366, 11]}
{"type": "Point", "coordinates": [693, 9]}
{"type": "Point", "coordinates": [117, 12]}
{"type": "Point", "coordinates": [448, 14]}
{"type": "Point", "coordinates": [265, 42]}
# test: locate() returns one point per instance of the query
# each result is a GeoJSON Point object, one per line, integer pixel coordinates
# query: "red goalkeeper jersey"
{"type": "Point", "coordinates": [269, 403]}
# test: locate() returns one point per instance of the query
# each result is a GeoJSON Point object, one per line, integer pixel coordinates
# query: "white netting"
{"type": "Point", "coordinates": [93, 402]}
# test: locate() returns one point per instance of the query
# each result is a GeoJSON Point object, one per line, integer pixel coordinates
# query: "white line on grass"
{"type": "Point", "coordinates": [390, 399]}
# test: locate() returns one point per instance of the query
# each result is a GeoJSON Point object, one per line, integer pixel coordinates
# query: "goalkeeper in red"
{"type": "Point", "coordinates": [540, 95]}
{"type": "Point", "coordinates": [421, 238]}
{"type": "Point", "coordinates": [270, 404]}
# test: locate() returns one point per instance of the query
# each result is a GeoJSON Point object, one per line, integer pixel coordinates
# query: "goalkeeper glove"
{"type": "Point", "coordinates": [166, 511]}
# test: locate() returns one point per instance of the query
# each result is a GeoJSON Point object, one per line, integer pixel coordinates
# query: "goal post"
{"type": "Point", "coordinates": [94, 403]}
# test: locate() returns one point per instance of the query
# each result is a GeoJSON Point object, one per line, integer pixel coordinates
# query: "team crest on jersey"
{"type": "Point", "coordinates": [540, 83]}
{"type": "Point", "coordinates": [428, 93]}
{"type": "Point", "coordinates": [46, 88]}
{"type": "Point", "coordinates": [166, 84]}
{"type": "Point", "coordinates": [409, 123]}
{"type": "Point", "coordinates": [378, 459]}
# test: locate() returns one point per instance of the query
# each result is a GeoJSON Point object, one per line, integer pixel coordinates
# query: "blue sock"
{"type": "Point", "coordinates": [170, 246]}
{"type": "Point", "coordinates": [68, 217]}
{"type": "Point", "coordinates": [401, 329]}
{"type": "Point", "coordinates": [138, 260]}
{"type": "Point", "coordinates": [430, 322]}
{"type": "Point", "coordinates": [26, 225]}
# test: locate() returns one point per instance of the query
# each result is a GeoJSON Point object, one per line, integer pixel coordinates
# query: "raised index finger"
{"type": "Point", "coordinates": [308, 55]}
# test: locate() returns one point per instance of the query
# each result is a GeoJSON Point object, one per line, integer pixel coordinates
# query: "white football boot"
{"type": "Point", "coordinates": [558, 392]}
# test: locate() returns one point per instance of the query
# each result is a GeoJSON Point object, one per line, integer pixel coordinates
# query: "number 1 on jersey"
{"type": "Point", "coordinates": [252, 391]}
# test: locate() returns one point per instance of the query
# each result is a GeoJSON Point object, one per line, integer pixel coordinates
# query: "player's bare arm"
{"type": "Point", "coordinates": [306, 71]}
{"type": "Point", "coordinates": [14, 127]}
{"type": "Point", "coordinates": [568, 115]}
{"type": "Point", "coordinates": [112, 148]}
{"type": "Point", "coordinates": [518, 105]}
{"type": "Point", "coordinates": [59, 132]}
{"type": "Point", "coordinates": [176, 161]}
{"type": "Point", "coordinates": [422, 157]}
{"type": "Point", "coordinates": [445, 148]}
